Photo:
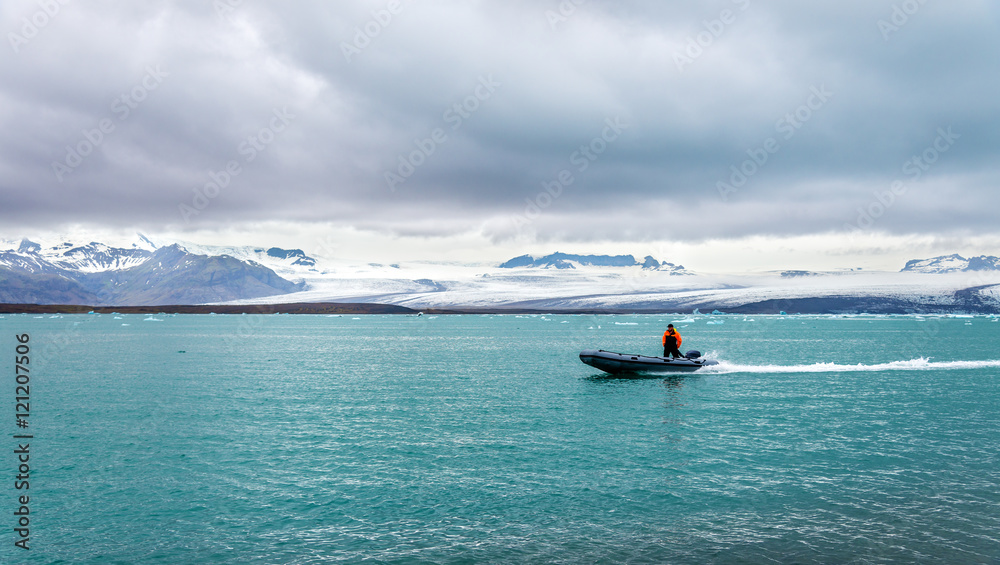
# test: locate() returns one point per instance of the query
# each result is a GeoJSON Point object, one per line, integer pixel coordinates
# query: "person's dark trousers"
{"type": "Point", "coordinates": [671, 350]}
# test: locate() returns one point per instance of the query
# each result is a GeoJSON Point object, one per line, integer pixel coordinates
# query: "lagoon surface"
{"type": "Point", "coordinates": [467, 439]}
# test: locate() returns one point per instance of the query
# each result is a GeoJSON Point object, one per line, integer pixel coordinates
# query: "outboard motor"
{"type": "Point", "coordinates": [693, 354]}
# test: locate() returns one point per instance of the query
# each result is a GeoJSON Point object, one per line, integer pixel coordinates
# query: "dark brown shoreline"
{"type": "Point", "coordinates": [816, 305]}
{"type": "Point", "coordinates": [294, 308]}
{"type": "Point", "coordinates": [304, 308]}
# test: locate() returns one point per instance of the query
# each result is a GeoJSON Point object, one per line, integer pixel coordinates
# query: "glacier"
{"type": "Point", "coordinates": [251, 275]}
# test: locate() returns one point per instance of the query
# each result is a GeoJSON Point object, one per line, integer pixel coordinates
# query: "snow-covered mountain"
{"type": "Point", "coordinates": [953, 264]}
{"type": "Point", "coordinates": [290, 263]}
{"type": "Point", "coordinates": [173, 275]}
{"type": "Point", "coordinates": [567, 261]}
{"type": "Point", "coordinates": [90, 258]}
{"type": "Point", "coordinates": [152, 271]}
{"type": "Point", "coordinates": [145, 274]}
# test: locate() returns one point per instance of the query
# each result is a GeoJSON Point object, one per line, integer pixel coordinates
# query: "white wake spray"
{"type": "Point", "coordinates": [921, 364]}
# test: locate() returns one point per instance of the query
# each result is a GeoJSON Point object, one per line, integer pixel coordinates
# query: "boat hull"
{"type": "Point", "coordinates": [619, 363]}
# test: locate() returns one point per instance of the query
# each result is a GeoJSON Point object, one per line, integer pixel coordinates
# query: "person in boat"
{"type": "Point", "coordinates": [671, 342]}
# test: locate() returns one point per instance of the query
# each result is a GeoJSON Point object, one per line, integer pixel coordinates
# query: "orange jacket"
{"type": "Point", "coordinates": [677, 335]}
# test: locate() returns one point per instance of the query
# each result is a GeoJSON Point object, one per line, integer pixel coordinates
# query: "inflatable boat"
{"type": "Point", "coordinates": [617, 363]}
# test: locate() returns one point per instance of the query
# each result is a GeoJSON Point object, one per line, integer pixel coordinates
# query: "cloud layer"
{"type": "Point", "coordinates": [563, 121]}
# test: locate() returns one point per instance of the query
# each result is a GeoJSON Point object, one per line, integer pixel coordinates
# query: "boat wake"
{"type": "Point", "coordinates": [921, 364]}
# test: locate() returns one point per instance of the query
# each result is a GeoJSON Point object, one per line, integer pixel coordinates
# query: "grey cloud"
{"type": "Point", "coordinates": [357, 116]}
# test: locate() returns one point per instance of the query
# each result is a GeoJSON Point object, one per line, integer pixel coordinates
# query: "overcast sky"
{"type": "Point", "coordinates": [719, 133]}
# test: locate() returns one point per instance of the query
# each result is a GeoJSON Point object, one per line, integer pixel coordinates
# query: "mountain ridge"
{"type": "Point", "coordinates": [953, 263]}
{"type": "Point", "coordinates": [98, 274]}
{"type": "Point", "coordinates": [559, 260]}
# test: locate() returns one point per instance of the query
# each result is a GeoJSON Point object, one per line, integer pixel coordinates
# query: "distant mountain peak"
{"type": "Point", "coordinates": [561, 260]}
{"type": "Point", "coordinates": [984, 263]}
{"type": "Point", "coordinates": [28, 246]}
{"type": "Point", "coordinates": [300, 257]}
{"type": "Point", "coordinates": [144, 242]}
{"type": "Point", "coordinates": [953, 263]}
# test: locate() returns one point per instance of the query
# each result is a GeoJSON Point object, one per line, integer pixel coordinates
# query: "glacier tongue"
{"type": "Point", "coordinates": [424, 286]}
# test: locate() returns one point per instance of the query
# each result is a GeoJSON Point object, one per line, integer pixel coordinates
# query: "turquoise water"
{"type": "Point", "coordinates": [467, 439]}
